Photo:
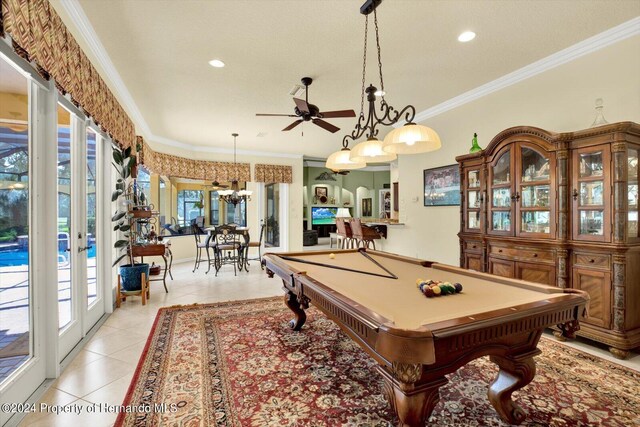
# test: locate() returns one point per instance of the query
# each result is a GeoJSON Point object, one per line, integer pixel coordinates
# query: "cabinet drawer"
{"type": "Point", "coordinates": [474, 246]}
{"type": "Point", "coordinates": [532, 254]}
{"type": "Point", "coordinates": [586, 259]}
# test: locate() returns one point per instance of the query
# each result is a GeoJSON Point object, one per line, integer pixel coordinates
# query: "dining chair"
{"type": "Point", "coordinates": [258, 245]}
{"type": "Point", "coordinates": [345, 233]}
{"type": "Point", "coordinates": [200, 245]}
{"type": "Point", "coordinates": [227, 248]}
{"type": "Point", "coordinates": [363, 235]}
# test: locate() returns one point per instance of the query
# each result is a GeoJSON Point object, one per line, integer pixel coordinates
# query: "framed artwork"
{"type": "Point", "coordinates": [321, 191]}
{"type": "Point", "coordinates": [385, 203]}
{"type": "Point", "coordinates": [367, 207]}
{"type": "Point", "coordinates": [442, 186]}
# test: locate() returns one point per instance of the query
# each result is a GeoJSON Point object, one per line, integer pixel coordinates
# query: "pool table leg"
{"type": "Point", "coordinates": [291, 300]}
{"type": "Point", "coordinates": [412, 401]}
{"type": "Point", "coordinates": [515, 373]}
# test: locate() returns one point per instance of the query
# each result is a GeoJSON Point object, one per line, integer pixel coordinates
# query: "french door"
{"type": "Point", "coordinates": [79, 228]}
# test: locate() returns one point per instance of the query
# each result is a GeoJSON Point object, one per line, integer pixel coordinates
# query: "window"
{"type": "Point", "coordinates": [144, 182]}
{"type": "Point", "coordinates": [214, 212]}
{"type": "Point", "coordinates": [161, 201]}
{"type": "Point", "coordinates": [190, 204]}
{"type": "Point", "coordinates": [237, 214]}
{"type": "Point", "coordinates": [272, 211]}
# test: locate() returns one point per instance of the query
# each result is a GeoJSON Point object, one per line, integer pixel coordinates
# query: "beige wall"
{"type": "Point", "coordinates": [183, 247]}
{"type": "Point", "coordinates": [561, 100]}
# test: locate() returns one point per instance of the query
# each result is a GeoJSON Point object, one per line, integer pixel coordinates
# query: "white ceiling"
{"type": "Point", "coordinates": [161, 50]}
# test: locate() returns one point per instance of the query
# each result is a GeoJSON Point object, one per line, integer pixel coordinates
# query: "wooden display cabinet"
{"type": "Point", "coordinates": [561, 209]}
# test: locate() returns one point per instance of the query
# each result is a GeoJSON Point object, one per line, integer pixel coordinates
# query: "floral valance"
{"type": "Point", "coordinates": [273, 173]}
{"type": "Point", "coordinates": [181, 167]}
{"type": "Point", "coordinates": [40, 36]}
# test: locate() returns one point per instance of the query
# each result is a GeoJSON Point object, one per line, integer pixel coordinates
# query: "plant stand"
{"type": "Point", "coordinates": [121, 294]}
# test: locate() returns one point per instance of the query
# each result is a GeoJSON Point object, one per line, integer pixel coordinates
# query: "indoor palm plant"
{"type": "Point", "coordinates": [129, 197]}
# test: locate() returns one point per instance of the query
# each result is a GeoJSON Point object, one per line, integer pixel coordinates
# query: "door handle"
{"type": "Point", "coordinates": [86, 248]}
{"type": "Point", "coordinates": [575, 194]}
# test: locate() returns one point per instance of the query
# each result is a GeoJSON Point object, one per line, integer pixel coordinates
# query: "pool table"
{"type": "Point", "coordinates": [416, 340]}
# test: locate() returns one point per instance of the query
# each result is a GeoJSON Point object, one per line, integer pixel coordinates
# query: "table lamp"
{"type": "Point", "coordinates": [343, 213]}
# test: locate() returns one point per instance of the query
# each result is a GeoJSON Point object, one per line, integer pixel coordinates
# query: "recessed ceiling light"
{"type": "Point", "coordinates": [467, 36]}
{"type": "Point", "coordinates": [216, 63]}
{"type": "Point", "coordinates": [379, 93]}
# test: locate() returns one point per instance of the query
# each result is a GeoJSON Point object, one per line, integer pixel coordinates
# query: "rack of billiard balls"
{"type": "Point", "coordinates": [436, 288]}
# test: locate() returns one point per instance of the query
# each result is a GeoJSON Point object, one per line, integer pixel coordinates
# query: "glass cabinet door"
{"type": "Point", "coordinates": [535, 193]}
{"type": "Point", "coordinates": [473, 199]}
{"type": "Point", "coordinates": [633, 231]}
{"type": "Point", "coordinates": [591, 193]}
{"type": "Point", "coordinates": [501, 194]}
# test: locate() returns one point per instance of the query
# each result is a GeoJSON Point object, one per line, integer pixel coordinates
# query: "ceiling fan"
{"type": "Point", "coordinates": [309, 112]}
{"type": "Point", "coordinates": [215, 185]}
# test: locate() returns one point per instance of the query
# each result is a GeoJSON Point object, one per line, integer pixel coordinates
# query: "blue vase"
{"type": "Point", "coordinates": [131, 276]}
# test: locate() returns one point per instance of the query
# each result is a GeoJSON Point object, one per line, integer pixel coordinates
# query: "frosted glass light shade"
{"type": "Point", "coordinates": [343, 213]}
{"type": "Point", "coordinates": [340, 161]}
{"type": "Point", "coordinates": [411, 139]}
{"type": "Point", "coordinates": [371, 151]}
{"type": "Point", "coordinates": [225, 192]}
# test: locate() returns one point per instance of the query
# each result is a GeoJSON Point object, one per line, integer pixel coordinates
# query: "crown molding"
{"type": "Point", "coordinates": [592, 44]}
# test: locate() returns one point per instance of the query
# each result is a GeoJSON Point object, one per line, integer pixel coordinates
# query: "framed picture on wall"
{"type": "Point", "coordinates": [321, 191]}
{"type": "Point", "coordinates": [442, 186]}
{"type": "Point", "coordinates": [385, 203]}
{"type": "Point", "coordinates": [367, 207]}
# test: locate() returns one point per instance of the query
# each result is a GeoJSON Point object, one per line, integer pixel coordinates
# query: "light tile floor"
{"type": "Point", "coordinates": [102, 371]}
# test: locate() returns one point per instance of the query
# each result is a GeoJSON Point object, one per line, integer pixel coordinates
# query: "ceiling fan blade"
{"type": "Point", "coordinates": [337, 114]}
{"type": "Point", "coordinates": [302, 105]}
{"type": "Point", "coordinates": [292, 125]}
{"type": "Point", "coordinates": [326, 125]}
{"type": "Point", "coordinates": [279, 115]}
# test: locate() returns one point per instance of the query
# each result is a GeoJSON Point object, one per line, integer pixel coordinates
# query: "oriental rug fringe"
{"type": "Point", "coordinates": [238, 364]}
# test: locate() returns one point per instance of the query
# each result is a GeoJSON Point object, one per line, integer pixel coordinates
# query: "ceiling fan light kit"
{"type": "Point", "coordinates": [409, 139]}
{"type": "Point", "coordinates": [234, 195]}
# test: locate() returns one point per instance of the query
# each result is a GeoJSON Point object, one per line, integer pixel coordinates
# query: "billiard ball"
{"type": "Point", "coordinates": [458, 287]}
{"type": "Point", "coordinates": [428, 292]}
{"type": "Point", "coordinates": [436, 290]}
{"type": "Point", "coordinates": [332, 256]}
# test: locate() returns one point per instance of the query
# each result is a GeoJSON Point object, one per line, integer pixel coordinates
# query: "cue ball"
{"type": "Point", "coordinates": [332, 256]}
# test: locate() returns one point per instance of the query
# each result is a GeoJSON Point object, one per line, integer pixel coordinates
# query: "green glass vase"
{"type": "Point", "coordinates": [474, 144]}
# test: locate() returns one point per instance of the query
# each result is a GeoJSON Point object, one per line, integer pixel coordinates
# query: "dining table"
{"type": "Point", "coordinates": [243, 239]}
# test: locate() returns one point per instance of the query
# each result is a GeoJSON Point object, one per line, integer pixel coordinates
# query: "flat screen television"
{"type": "Point", "coordinates": [322, 216]}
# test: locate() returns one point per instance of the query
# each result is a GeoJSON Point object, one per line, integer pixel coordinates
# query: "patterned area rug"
{"type": "Point", "coordinates": [238, 364]}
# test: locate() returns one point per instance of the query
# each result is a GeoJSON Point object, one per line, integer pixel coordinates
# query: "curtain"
{"type": "Point", "coordinates": [39, 35]}
{"type": "Point", "coordinates": [273, 173]}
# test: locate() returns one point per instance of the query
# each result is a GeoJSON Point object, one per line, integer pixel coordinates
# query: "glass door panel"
{"type": "Point", "coordinates": [535, 222]}
{"type": "Point", "coordinates": [474, 179]}
{"type": "Point", "coordinates": [65, 295]}
{"type": "Point", "coordinates": [15, 287]}
{"type": "Point", "coordinates": [92, 205]}
{"type": "Point", "coordinates": [473, 199]}
{"type": "Point", "coordinates": [591, 193]}
{"type": "Point", "coordinates": [272, 211]}
{"type": "Point", "coordinates": [535, 167]}
{"type": "Point", "coordinates": [592, 222]}
{"type": "Point", "coordinates": [474, 220]}
{"type": "Point", "coordinates": [501, 198]}
{"type": "Point", "coordinates": [632, 192]}
{"type": "Point", "coordinates": [501, 221]}
{"type": "Point", "coordinates": [535, 196]}
{"type": "Point", "coordinates": [591, 164]}
{"type": "Point", "coordinates": [502, 170]}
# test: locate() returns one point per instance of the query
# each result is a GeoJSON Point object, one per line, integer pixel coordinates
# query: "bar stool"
{"type": "Point", "coordinates": [364, 235]}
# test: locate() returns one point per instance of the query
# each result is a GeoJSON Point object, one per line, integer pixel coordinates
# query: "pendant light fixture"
{"type": "Point", "coordinates": [408, 139]}
{"type": "Point", "coordinates": [234, 195]}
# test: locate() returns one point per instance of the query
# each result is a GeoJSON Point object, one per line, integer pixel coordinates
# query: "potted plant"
{"type": "Point", "coordinates": [129, 196]}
